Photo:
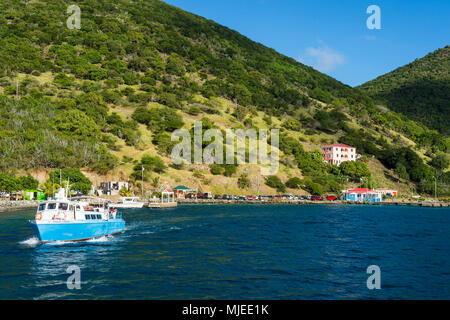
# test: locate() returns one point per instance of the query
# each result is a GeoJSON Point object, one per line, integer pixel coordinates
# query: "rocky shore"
{"type": "Point", "coordinates": [8, 205]}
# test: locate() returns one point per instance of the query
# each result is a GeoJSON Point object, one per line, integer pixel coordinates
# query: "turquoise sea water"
{"type": "Point", "coordinates": [238, 252]}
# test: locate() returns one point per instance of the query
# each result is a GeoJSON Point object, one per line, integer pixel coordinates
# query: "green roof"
{"type": "Point", "coordinates": [181, 188]}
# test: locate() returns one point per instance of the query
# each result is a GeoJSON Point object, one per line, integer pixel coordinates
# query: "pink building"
{"type": "Point", "coordinates": [338, 153]}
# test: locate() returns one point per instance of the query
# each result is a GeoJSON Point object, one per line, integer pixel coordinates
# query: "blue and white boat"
{"type": "Point", "coordinates": [66, 220]}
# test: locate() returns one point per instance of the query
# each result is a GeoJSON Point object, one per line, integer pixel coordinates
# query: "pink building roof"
{"type": "Point", "coordinates": [340, 145]}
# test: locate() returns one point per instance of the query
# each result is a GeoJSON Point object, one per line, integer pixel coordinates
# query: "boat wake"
{"type": "Point", "coordinates": [33, 242]}
{"type": "Point", "coordinates": [30, 242]}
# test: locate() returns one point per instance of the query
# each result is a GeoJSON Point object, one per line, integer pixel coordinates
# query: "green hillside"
{"type": "Point", "coordinates": [420, 90]}
{"type": "Point", "coordinates": [107, 97]}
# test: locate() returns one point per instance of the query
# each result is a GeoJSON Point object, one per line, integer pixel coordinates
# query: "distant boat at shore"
{"type": "Point", "coordinates": [128, 203]}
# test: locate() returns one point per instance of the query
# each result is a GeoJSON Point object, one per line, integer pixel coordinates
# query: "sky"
{"type": "Point", "coordinates": [332, 36]}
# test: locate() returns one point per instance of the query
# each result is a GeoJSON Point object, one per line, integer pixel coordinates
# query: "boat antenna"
{"type": "Point", "coordinates": [67, 188]}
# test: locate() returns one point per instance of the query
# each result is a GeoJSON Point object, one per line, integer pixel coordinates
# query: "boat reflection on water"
{"type": "Point", "coordinates": [51, 262]}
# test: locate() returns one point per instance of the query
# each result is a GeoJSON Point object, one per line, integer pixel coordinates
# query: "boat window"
{"type": "Point", "coordinates": [63, 206]}
{"type": "Point", "coordinates": [71, 208]}
{"type": "Point", "coordinates": [92, 216]}
{"type": "Point", "coordinates": [88, 217]}
{"type": "Point", "coordinates": [42, 207]}
{"type": "Point", "coordinates": [51, 206]}
{"type": "Point", "coordinates": [99, 216]}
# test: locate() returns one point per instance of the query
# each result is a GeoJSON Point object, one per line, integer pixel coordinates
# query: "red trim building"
{"type": "Point", "coordinates": [338, 153]}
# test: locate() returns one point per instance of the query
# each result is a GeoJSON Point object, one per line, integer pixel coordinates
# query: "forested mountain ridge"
{"type": "Point", "coordinates": [420, 90]}
{"type": "Point", "coordinates": [106, 98]}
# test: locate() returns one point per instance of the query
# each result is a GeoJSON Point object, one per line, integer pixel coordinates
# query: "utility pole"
{"type": "Point", "coordinates": [435, 188]}
{"type": "Point", "coordinates": [142, 183]}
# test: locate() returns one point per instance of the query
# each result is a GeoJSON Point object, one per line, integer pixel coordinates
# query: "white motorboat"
{"type": "Point", "coordinates": [128, 203]}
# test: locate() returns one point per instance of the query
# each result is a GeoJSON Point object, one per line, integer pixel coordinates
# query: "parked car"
{"type": "Point", "coordinates": [218, 197]}
{"type": "Point", "coordinates": [316, 198]}
{"type": "Point", "coordinates": [251, 197]}
{"type": "Point", "coordinates": [200, 195]}
{"type": "Point", "coordinates": [15, 196]}
{"type": "Point", "coordinates": [191, 196]}
{"type": "Point", "coordinates": [331, 198]}
{"type": "Point", "coordinates": [207, 195]}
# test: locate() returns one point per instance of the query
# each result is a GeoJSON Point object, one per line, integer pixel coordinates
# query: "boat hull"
{"type": "Point", "coordinates": [78, 230]}
{"type": "Point", "coordinates": [127, 205]}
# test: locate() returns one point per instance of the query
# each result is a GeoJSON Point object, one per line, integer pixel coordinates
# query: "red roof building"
{"type": "Point", "coordinates": [362, 194]}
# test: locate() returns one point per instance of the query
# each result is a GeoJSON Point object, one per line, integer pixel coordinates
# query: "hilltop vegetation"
{"type": "Point", "coordinates": [107, 97]}
{"type": "Point", "coordinates": [420, 90]}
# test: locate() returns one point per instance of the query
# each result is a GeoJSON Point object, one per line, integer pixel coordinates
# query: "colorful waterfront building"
{"type": "Point", "coordinates": [338, 153]}
{"type": "Point", "coordinates": [34, 195]}
{"type": "Point", "coordinates": [362, 194]}
{"type": "Point", "coordinates": [181, 191]}
{"type": "Point", "coordinates": [388, 193]}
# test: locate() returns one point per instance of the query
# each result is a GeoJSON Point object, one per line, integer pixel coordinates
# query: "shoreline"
{"type": "Point", "coordinates": [25, 204]}
{"type": "Point", "coordinates": [19, 204]}
{"type": "Point", "coordinates": [439, 204]}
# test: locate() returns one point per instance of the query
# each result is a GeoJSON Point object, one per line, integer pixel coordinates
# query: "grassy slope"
{"type": "Point", "coordinates": [420, 89]}
{"type": "Point", "coordinates": [300, 77]}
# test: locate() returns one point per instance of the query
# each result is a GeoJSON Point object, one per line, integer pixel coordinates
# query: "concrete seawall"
{"type": "Point", "coordinates": [300, 202]}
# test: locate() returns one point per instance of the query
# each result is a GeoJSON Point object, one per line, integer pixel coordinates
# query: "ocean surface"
{"type": "Point", "coordinates": [238, 252]}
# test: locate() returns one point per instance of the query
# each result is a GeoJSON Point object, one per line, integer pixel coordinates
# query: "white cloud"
{"type": "Point", "coordinates": [322, 58]}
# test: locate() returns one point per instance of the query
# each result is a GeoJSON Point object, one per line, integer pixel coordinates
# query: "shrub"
{"type": "Point", "coordinates": [276, 183]}
{"type": "Point", "coordinates": [243, 181]}
{"type": "Point", "coordinates": [294, 183]}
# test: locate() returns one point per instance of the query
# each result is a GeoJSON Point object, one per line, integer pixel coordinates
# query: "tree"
{"type": "Point", "coordinates": [440, 162]}
{"type": "Point", "coordinates": [243, 181]}
{"type": "Point", "coordinates": [150, 163]}
{"type": "Point", "coordinates": [75, 122]}
{"type": "Point", "coordinates": [175, 65]}
{"type": "Point", "coordinates": [8, 183]}
{"type": "Point", "coordinates": [78, 181]}
{"type": "Point", "coordinates": [355, 169]}
{"type": "Point", "coordinates": [27, 182]}
{"type": "Point", "coordinates": [276, 183]}
{"type": "Point", "coordinates": [313, 187]}
{"type": "Point", "coordinates": [216, 169]}
{"type": "Point", "coordinates": [294, 183]}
